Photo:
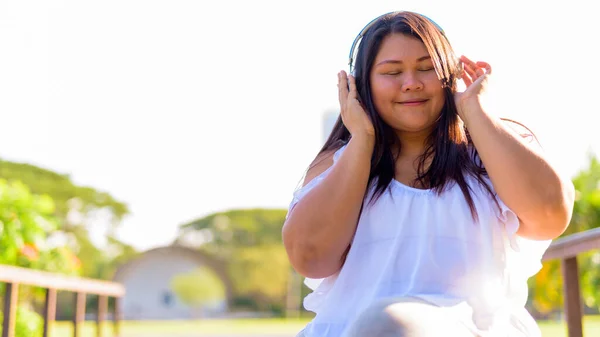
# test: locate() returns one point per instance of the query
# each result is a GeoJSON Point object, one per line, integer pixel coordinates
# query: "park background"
{"type": "Point", "coordinates": [157, 143]}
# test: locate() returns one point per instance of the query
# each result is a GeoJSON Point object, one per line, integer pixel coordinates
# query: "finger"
{"type": "Point", "coordinates": [467, 61]}
{"type": "Point", "coordinates": [486, 66]}
{"type": "Point", "coordinates": [466, 79]}
{"type": "Point", "coordinates": [480, 68]}
{"type": "Point", "coordinates": [353, 94]}
{"type": "Point", "coordinates": [342, 89]}
{"type": "Point", "coordinates": [473, 67]}
{"type": "Point", "coordinates": [471, 71]}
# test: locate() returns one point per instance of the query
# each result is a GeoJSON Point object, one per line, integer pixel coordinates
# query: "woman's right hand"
{"type": "Point", "coordinates": [353, 114]}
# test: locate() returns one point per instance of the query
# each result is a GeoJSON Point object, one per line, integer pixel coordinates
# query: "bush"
{"type": "Point", "coordinates": [29, 323]}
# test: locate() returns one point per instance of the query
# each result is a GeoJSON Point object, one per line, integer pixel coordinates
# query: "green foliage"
{"type": "Point", "coordinates": [101, 263]}
{"type": "Point", "coordinates": [118, 253]}
{"type": "Point", "coordinates": [61, 189]}
{"type": "Point", "coordinates": [589, 279]}
{"type": "Point", "coordinates": [250, 243]}
{"type": "Point", "coordinates": [49, 198]}
{"type": "Point", "coordinates": [546, 288]}
{"type": "Point", "coordinates": [26, 220]}
{"type": "Point", "coordinates": [58, 196]}
{"type": "Point", "coordinates": [586, 212]}
{"type": "Point", "coordinates": [264, 270]}
{"type": "Point", "coordinates": [28, 323]}
{"type": "Point", "coordinates": [235, 229]}
{"type": "Point", "coordinates": [198, 288]}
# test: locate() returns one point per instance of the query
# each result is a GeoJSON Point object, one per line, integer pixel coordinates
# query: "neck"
{"type": "Point", "coordinates": [413, 144]}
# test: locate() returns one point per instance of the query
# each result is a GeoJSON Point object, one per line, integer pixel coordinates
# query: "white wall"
{"type": "Point", "coordinates": [147, 283]}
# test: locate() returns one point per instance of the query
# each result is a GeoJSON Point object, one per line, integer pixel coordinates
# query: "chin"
{"type": "Point", "coordinates": [413, 126]}
{"type": "Point", "coordinates": [414, 130]}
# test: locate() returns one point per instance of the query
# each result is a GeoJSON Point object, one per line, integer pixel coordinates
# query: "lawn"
{"type": "Point", "coordinates": [256, 327]}
{"type": "Point", "coordinates": [241, 327]}
{"type": "Point", "coordinates": [591, 328]}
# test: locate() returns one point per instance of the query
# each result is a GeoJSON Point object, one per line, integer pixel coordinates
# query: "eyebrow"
{"type": "Point", "coordinates": [422, 58]}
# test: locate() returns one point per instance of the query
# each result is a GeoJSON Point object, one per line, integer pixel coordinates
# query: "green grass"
{"type": "Point", "coordinates": [591, 327]}
{"type": "Point", "coordinates": [262, 327]}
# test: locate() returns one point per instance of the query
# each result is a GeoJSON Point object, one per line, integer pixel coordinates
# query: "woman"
{"type": "Point", "coordinates": [423, 214]}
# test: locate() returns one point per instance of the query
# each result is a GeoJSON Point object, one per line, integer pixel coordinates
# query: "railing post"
{"type": "Point", "coordinates": [102, 305]}
{"type": "Point", "coordinates": [49, 310]}
{"type": "Point", "coordinates": [79, 315]}
{"type": "Point", "coordinates": [573, 307]}
{"type": "Point", "coordinates": [117, 316]}
{"type": "Point", "coordinates": [11, 296]}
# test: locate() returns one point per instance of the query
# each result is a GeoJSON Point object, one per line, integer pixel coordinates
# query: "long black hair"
{"type": "Point", "coordinates": [449, 149]}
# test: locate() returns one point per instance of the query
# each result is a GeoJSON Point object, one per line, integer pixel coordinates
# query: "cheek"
{"type": "Point", "coordinates": [433, 83]}
{"type": "Point", "coordinates": [436, 90]}
{"type": "Point", "coordinates": [439, 105]}
{"type": "Point", "coordinates": [384, 88]}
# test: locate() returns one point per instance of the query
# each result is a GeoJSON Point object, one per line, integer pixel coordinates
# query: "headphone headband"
{"type": "Point", "coordinates": [364, 31]}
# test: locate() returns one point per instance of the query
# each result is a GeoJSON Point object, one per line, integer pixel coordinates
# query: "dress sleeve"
{"type": "Point", "coordinates": [302, 191]}
{"type": "Point", "coordinates": [529, 251]}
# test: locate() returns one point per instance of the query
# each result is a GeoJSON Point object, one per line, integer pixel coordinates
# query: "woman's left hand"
{"type": "Point", "coordinates": [476, 76]}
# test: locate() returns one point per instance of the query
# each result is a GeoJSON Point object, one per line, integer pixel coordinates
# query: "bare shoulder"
{"type": "Point", "coordinates": [320, 164]}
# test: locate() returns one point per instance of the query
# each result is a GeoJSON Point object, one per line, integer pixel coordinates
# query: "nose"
{"type": "Point", "coordinates": [411, 82]}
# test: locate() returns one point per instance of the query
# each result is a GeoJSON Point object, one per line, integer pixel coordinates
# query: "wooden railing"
{"type": "Point", "coordinates": [14, 276]}
{"type": "Point", "coordinates": [566, 249]}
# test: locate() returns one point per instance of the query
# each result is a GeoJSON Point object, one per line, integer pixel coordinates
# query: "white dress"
{"type": "Point", "coordinates": [415, 243]}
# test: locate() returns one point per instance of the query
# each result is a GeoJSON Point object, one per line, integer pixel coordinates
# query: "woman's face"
{"type": "Point", "coordinates": [405, 88]}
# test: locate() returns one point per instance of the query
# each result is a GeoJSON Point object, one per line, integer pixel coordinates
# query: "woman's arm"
{"type": "Point", "coordinates": [321, 225]}
{"type": "Point", "coordinates": [319, 228]}
{"type": "Point", "coordinates": [523, 178]}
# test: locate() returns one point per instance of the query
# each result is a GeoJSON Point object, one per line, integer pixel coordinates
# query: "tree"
{"type": "Point", "coordinates": [249, 242]}
{"type": "Point", "coordinates": [73, 207]}
{"type": "Point", "coordinates": [199, 289]}
{"type": "Point", "coordinates": [26, 220]}
{"type": "Point", "coordinates": [263, 271]}
{"type": "Point", "coordinates": [62, 190]}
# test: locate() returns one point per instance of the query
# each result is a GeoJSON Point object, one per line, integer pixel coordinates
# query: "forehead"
{"type": "Point", "coordinates": [401, 47]}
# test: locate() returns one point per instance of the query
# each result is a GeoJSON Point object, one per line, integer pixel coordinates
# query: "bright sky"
{"type": "Point", "coordinates": [183, 108]}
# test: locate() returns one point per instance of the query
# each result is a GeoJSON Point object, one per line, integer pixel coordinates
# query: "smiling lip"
{"type": "Point", "coordinates": [413, 102]}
